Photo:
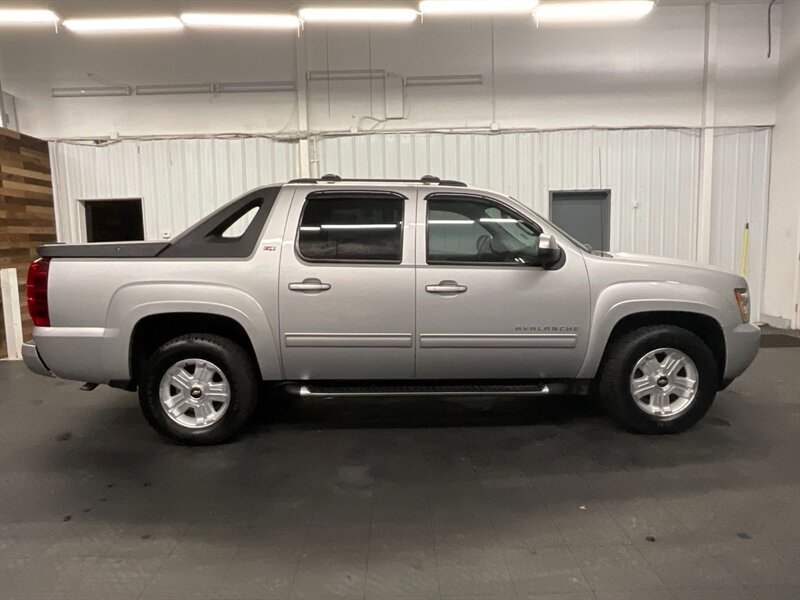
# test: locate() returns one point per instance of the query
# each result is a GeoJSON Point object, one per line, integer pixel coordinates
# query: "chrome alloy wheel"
{"type": "Point", "coordinates": [194, 393]}
{"type": "Point", "coordinates": [664, 383]}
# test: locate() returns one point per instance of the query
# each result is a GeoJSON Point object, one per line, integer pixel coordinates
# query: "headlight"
{"type": "Point", "coordinates": [743, 300]}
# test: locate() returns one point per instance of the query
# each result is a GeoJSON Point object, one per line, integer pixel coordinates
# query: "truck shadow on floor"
{"type": "Point", "coordinates": [286, 411]}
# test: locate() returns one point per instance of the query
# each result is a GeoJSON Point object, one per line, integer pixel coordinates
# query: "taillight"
{"type": "Point", "coordinates": [37, 292]}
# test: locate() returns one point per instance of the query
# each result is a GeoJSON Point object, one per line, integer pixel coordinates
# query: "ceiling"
{"type": "Point", "coordinates": [34, 59]}
{"type": "Point", "coordinates": [85, 8]}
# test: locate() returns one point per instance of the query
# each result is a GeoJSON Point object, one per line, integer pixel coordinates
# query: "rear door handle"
{"type": "Point", "coordinates": [310, 285]}
{"type": "Point", "coordinates": [446, 287]}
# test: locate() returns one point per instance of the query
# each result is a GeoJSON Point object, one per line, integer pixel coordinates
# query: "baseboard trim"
{"type": "Point", "coordinates": [778, 322]}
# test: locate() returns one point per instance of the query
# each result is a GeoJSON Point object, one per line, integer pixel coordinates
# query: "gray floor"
{"type": "Point", "coordinates": [402, 499]}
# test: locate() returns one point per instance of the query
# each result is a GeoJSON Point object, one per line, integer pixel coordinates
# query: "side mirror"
{"type": "Point", "coordinates": [549, 251]}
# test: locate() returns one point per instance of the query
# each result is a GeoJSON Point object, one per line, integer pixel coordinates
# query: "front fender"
{"type": "Point", "coordinates": [131, 303]}
{"type": "Point", "coordinates": [621, 300]}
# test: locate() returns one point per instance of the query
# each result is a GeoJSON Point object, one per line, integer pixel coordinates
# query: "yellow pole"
{"type": "Point", "coordinates": [744, 248]}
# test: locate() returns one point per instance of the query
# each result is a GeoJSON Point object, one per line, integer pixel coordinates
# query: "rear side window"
{"type": "Point", "coordinates": [352, 229]}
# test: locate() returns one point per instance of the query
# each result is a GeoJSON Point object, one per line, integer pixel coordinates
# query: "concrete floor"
{"type": "Point", "coordinates": [402, 499]}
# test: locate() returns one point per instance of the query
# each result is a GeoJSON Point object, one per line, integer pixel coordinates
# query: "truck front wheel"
{"type": "Point", "coordinates": [199, 389]}
{"type": "Point", "coordinates": [658, 379]}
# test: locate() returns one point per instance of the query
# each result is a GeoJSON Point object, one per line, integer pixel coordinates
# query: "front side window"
{"type": "Point", "coordinates": [474, 230]}
{"type": "Point", "coordinates": [352, 229]}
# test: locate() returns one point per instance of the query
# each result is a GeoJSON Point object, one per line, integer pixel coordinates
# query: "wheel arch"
{"type": "Point", "coordinates": [620, 306]}
{"type": "Point", "coordinates": [152, 331]}
{"type": "Point", "coordinates": [195, 307]}
{"type": "Point", "coordinates": [702, 325]}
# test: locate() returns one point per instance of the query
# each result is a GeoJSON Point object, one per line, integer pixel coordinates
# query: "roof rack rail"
{"type": "Point", "coordinates": [427, 179]}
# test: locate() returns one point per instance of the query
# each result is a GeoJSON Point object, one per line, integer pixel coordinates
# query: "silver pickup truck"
{"type": "Point", "coordinates": [332, 287]}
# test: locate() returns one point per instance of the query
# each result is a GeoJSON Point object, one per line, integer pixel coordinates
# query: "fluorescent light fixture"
{"type": "Point", "coordinates": [240, 20]}
{"type": "Point", "coordinates": [346, 75]}
{"type": "Point", "coordinates": [334, 227]}
{"type": "Point", "coordinates": [354, 226]}
{"type": "Point", "coordinates": [178, 88]}
{"type": "Point", "coordinates": [27, 16]}
{"type": "Point", "coordinates": [256, 86]}
{"type": "Point", "coordinates": [592, 12]}
{"type": "Point", "coordinates": [422, 80]}
{"type": "Point", "coordinates": [358, 15]}
{"type": "Point", "coordinates": [86, 92]}
{"type": "Point", "coordinates": [476, 7]}
{"type": "Point", "coordinates": [121, 25]}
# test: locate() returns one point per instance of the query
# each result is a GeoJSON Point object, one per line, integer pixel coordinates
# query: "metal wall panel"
{"type": "Point", "coordinates": [740, 193]}
{"type": "Point", "coordinates": [652, 174]}
{"type": "Point", "coordinates": [178, 180]}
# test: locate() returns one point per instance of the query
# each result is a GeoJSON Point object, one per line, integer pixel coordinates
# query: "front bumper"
{"type": "Point", "coordinates": [32, 360]}
{"type": "Point", "coordinates": [741, 343]}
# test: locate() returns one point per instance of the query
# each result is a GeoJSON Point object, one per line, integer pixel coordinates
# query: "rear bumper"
{"type": "Point", "coordinates": [741, 346]}
{"type": "Point", "coordinates": [32, 360]}
{"type": "Point", "coordinates": [81, 353]}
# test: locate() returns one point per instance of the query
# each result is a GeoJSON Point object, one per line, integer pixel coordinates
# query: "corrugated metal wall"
{"type": "Point", "coordinates": [740, 192]}
{"type": "Point", "coordinates": [178, 180]}
{"type": "Point", "coordinates": [652, 175]}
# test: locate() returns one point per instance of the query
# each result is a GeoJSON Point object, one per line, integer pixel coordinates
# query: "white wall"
{"type": "Point", "coordinates": [640, 86]}
{"type": "Point", "coordinates": [652, 175]}
{"type": "Point", "coordinates": [739, 197]}
{"type": "Point", "coordinates": [782, 291]}
{"type": "Point", "coordinates": [648, 73]}
{"type": "Point", "coordinates": [178, 181]}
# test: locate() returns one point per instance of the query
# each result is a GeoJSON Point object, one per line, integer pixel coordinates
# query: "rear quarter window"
{"type": "Point", "coordinates": [230, 232]}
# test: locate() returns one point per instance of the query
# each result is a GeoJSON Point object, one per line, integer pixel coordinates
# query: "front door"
{"type": "Point", "coordinates": [347, 285]}
{"type": "Point", "coordinates": [485, 307]}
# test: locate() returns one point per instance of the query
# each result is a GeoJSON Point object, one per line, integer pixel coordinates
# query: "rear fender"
{"type": "Point", "coordinates": [131, 303]}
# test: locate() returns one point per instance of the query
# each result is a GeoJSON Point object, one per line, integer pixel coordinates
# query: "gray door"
{"type": "Point", "coordinates": [583, 215]}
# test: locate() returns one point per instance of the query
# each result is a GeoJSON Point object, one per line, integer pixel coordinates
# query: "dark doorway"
{"type": "Point", "coordinates": [114, 220]}
{"type": "Point", "coordinates": [586, 216]}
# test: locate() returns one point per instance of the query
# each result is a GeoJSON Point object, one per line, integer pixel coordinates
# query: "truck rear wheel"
{"type": "Point", "coordinates": [658, 379]}
{"type": "Point", "coordinates": [199, 389]}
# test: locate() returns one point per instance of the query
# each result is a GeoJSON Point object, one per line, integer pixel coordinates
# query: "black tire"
{"type": "Point", "coordinates": [237, 366]}
{"type": "Point", "coordinates": [613, 382]}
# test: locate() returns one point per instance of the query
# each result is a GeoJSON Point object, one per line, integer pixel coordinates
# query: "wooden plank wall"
{"type": "Point", "coordinates": [27, 218]}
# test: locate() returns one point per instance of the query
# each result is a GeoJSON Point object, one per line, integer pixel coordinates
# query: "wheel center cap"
{"type": "Point", "coordinates": [662, 381]}
{"type": "Point", "coordinates": [196, 392]}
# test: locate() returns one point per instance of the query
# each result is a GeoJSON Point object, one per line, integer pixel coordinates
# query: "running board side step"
{"type": "Point", "coordinates": [350, 391]}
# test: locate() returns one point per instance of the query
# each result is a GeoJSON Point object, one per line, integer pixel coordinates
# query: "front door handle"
{"type": "Point", "coordinates": [310, 285]}
{"type": "Point", "coordinates": [446, 287]}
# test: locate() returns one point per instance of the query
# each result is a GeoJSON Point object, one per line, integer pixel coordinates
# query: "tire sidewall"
{"type": "Point", "coordinates": [616, 384]}
{"type": "Point", "coordinates": [226, 355]}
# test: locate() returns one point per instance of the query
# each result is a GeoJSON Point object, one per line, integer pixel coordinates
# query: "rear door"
{"type": "Point", "coordinates": [486, 308]}
{"type": "Point", "coordinates": [347, 284]}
